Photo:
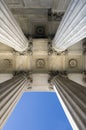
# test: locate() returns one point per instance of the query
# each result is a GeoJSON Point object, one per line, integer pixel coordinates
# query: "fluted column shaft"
{"type": "Point", "coordinates": [72, 27]}
{"type": "Point", "coordinates": [73, 99]}
{"type": "Point", "coordinates": [10, 32]}
{"type": "Point", "coordinates": [10, 93]}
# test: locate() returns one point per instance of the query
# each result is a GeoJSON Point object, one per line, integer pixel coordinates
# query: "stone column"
{"type": "Point", "coordinates": [72, 27]}
{"type": "Point", "coordinates": [10, 32]}
{"type": "Point", "coordinates": [10, 93]}
{"type": "Point", "coordinates": [73, 100]}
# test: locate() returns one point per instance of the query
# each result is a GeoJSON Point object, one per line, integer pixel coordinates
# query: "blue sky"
{"type": "Point", "coordinates": [38, 111]}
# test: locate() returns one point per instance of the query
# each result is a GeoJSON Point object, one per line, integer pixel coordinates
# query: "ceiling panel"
{"type": "Point", "coordinates": [7, 62]}
{"type": "Point", "coordinates": [38, 3]}
{"type": "Point", "coordinates": [15, 3]}
{"type": "Point", "coordinates": [57, 63]}
{"type": "Point", "coordinates": [60, 5]}
{"type": "Point", "coordinates": [30, 13]}
{"type": "Point", "coordinates": [57, 5]}
{"type": "Point", "coordinates": [74, 63]}
{"type": "Point", "coordinates": [37, 82]}
{"type": "Point", "coordinates": [46, 3]}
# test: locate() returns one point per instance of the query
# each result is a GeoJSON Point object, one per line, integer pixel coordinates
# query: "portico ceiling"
{"type": "Point", "coordinates": [40, 19]}
{"type": "Point", "coordinates": [31, 13]}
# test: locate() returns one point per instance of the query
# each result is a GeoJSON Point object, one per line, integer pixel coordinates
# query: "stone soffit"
{"type": "Point", "coordinates": [31, 14]}
{"type": "Point", "coordinates": [41, 59]}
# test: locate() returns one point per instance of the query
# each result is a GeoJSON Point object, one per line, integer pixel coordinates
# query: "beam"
{"type": "Point", "coordinates": [73, 99]}
{"type": "Point", "coordinates": [10, 93]}
{"type": "Point", "coordinates": [72, 28]}
{"type": "Point", "coordinates": [10, 32]}
{"type": "Point", "coordinates": [29, 11]}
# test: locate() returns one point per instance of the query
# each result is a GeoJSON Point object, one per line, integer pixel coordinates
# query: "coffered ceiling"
{"type": "Point", "coordinates": [31, 14]}
{"type": "Point", "coordinates": [40, 19]}
{"type": "Point", "coordinates": [39, 59]}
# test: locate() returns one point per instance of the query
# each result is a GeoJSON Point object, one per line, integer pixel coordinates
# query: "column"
{"type": "Point", "coordinates": [72, 27]}
{"type": "Point", "coordinates": [73, 100]}
{"type": "Point", "coordinates": [10, 93]}
{"type": "Point", "coordinates": [10, 32]}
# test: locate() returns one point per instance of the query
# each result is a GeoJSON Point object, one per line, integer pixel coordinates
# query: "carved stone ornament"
{"type": "Point", "coordinates": [72, 63]}
{"type": "Point", "coordinates": [5, 63]}
{"type": "Point", "coordinates": [40, 63]}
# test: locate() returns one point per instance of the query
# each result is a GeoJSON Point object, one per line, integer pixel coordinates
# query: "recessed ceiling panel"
{"type": "Point", "coordinates": [74, 63]}
{"type": "Point", "coordinates": [57, 63]}
{"type": "Point", "coordinates": [46, 3]}
{"type": "Point", "coordinates": [38, 3]}
{"type": "Point", "coordinates": [60, 5]}
{"type": "Point", "coordinates": [14, 3]}
{"type": "Point", "coordinates": [6, 63]}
